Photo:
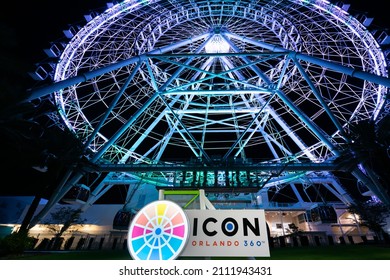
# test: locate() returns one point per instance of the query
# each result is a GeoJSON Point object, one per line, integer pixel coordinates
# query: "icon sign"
{"type": "Point", "coordinates": [159, 231]}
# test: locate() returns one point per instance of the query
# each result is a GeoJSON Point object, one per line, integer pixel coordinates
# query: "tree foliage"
{"type": "Point", "coordinates": [65, 219]}
{"type": "Point", "coordinates": [15, 243]}
{"type": "Point", "coordinates": [370, 146]}
{"type": "Point", "coordinates": [371, 214]}
{"type": "Point", "coordinates": [293, 229]}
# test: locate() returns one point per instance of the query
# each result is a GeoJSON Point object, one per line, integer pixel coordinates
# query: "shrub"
{"type": "Point", "coordinates": [15, 243]}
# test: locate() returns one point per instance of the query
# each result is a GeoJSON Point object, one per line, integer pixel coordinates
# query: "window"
{"type": "Point", "coordinates": [302, 218]}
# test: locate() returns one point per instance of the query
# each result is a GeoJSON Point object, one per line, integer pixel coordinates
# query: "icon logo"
{"type": "Point", "coordinates": [159, 231]}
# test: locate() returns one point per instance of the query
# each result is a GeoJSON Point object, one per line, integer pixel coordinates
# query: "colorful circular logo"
{"type": "Point", "coordinates": [159, 231]}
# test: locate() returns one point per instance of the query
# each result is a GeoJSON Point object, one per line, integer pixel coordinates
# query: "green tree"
{"type": "Point", "coordinates": [62, 220]}
{"type": "Point", "coordinates": [372, 215]}
{"type": "Point", "coordinates": [293, 229]}
{"type": "Point", "coordinates": [369, 147]}
{"type": "Point", "coordinates": [16, 243]}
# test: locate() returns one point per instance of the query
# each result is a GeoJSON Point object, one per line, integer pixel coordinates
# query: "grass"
{"type": "Point", "coordinates": [337, 252]}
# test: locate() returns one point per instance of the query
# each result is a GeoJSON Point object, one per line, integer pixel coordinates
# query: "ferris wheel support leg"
{"type": "Point", "coordinates": [58, 193]}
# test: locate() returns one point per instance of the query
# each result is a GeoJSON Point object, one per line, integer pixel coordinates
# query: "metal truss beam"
{"type": "Point", "coordinates": [272, 167]}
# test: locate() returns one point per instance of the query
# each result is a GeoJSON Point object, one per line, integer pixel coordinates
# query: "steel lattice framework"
{"type": "Point", "coordinates": [232, 94]}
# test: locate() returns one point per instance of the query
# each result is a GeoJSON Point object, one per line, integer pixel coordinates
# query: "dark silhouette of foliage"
{"type": "Point", "coordinates": [372, 215]}
{"type": "Point", "coordinates": [15, 243]}
{"type": "Point", "coordinates": [293, 229]}
{"type": "Point", "coordinates": [64, 219]}
{"type": "Point", "coordinates": [370, 145]}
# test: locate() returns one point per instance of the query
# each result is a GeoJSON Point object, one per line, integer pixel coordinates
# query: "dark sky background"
{"type": "Point", "coordinates": [28, 27]}
{"type": "Point", "coordinates": [34, 24]}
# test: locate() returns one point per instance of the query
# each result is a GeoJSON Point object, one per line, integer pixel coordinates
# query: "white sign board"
{"type": "Point", "coordinates": [230, 233]}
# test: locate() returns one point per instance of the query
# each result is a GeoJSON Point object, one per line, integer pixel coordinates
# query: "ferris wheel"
{"type": "Point", "coordinates": [225, 94]}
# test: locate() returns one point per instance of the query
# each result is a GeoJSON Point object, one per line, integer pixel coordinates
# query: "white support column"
{"type": "Point", "coordinates": [205, 202]}
{"type": "Point", "coordinates": [161, 195]}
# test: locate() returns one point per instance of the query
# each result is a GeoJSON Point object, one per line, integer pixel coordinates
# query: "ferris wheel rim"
{"type": "Point", "coordinates": [70, 52]}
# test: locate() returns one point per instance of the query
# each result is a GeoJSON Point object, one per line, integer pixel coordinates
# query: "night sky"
{"type": "Point", "coordinates": [34, 24]}
{"type": "Point", "coordinates": [28, 27]}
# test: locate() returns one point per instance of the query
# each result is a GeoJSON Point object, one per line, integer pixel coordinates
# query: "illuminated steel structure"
{"type": "Point", "coordinates": [251, 100]}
